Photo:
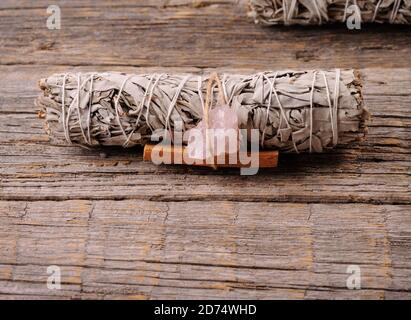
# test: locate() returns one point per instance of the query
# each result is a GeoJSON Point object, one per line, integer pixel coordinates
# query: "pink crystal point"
{"type": "Point", "coordinates": [222, 131]}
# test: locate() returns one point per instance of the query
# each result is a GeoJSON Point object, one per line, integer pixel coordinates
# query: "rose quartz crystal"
{"type": "Point", "coordinates": [221, 137]}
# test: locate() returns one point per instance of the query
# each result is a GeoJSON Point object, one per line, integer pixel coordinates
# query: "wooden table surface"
{"type": "Point", "coordinates": [121, 228]}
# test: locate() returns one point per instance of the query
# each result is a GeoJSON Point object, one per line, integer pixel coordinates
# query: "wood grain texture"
{"type": "Point", "coordinates": [121, 228]}
{"type": "Point", "coordinates": [196, 249]}
{"type": "Point", "coordinates": [212, 33]}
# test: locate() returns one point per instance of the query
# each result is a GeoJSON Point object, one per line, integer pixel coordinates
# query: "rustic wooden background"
{"type": "Point", "coordinates": [120, 228]}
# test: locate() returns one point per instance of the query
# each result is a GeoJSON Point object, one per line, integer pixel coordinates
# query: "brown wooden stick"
{"type": "Point", "coordinates": [267, 159]}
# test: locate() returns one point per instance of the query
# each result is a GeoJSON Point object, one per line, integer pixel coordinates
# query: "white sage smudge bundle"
{"type": "Point", "coordinates": [317, 12]}
{"type": "Point", "coordinates": [292, 110]}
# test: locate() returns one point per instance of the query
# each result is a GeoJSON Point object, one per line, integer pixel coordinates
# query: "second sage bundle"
{"type": "Point", "coordinates": [308, 12]}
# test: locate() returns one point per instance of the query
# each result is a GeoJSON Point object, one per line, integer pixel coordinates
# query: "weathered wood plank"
{"type": "Point", "coordinates": [143, 249]}
{"type": "Point", "coordinates": [376, 171]}
{"type": "Point", "coordinates": [210, 34]}
{"type": "Point", "coordinates": [326, 188]}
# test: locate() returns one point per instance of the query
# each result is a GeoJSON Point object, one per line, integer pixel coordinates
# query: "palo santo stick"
{"type": "Point", "coordinates": [266, 158]}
